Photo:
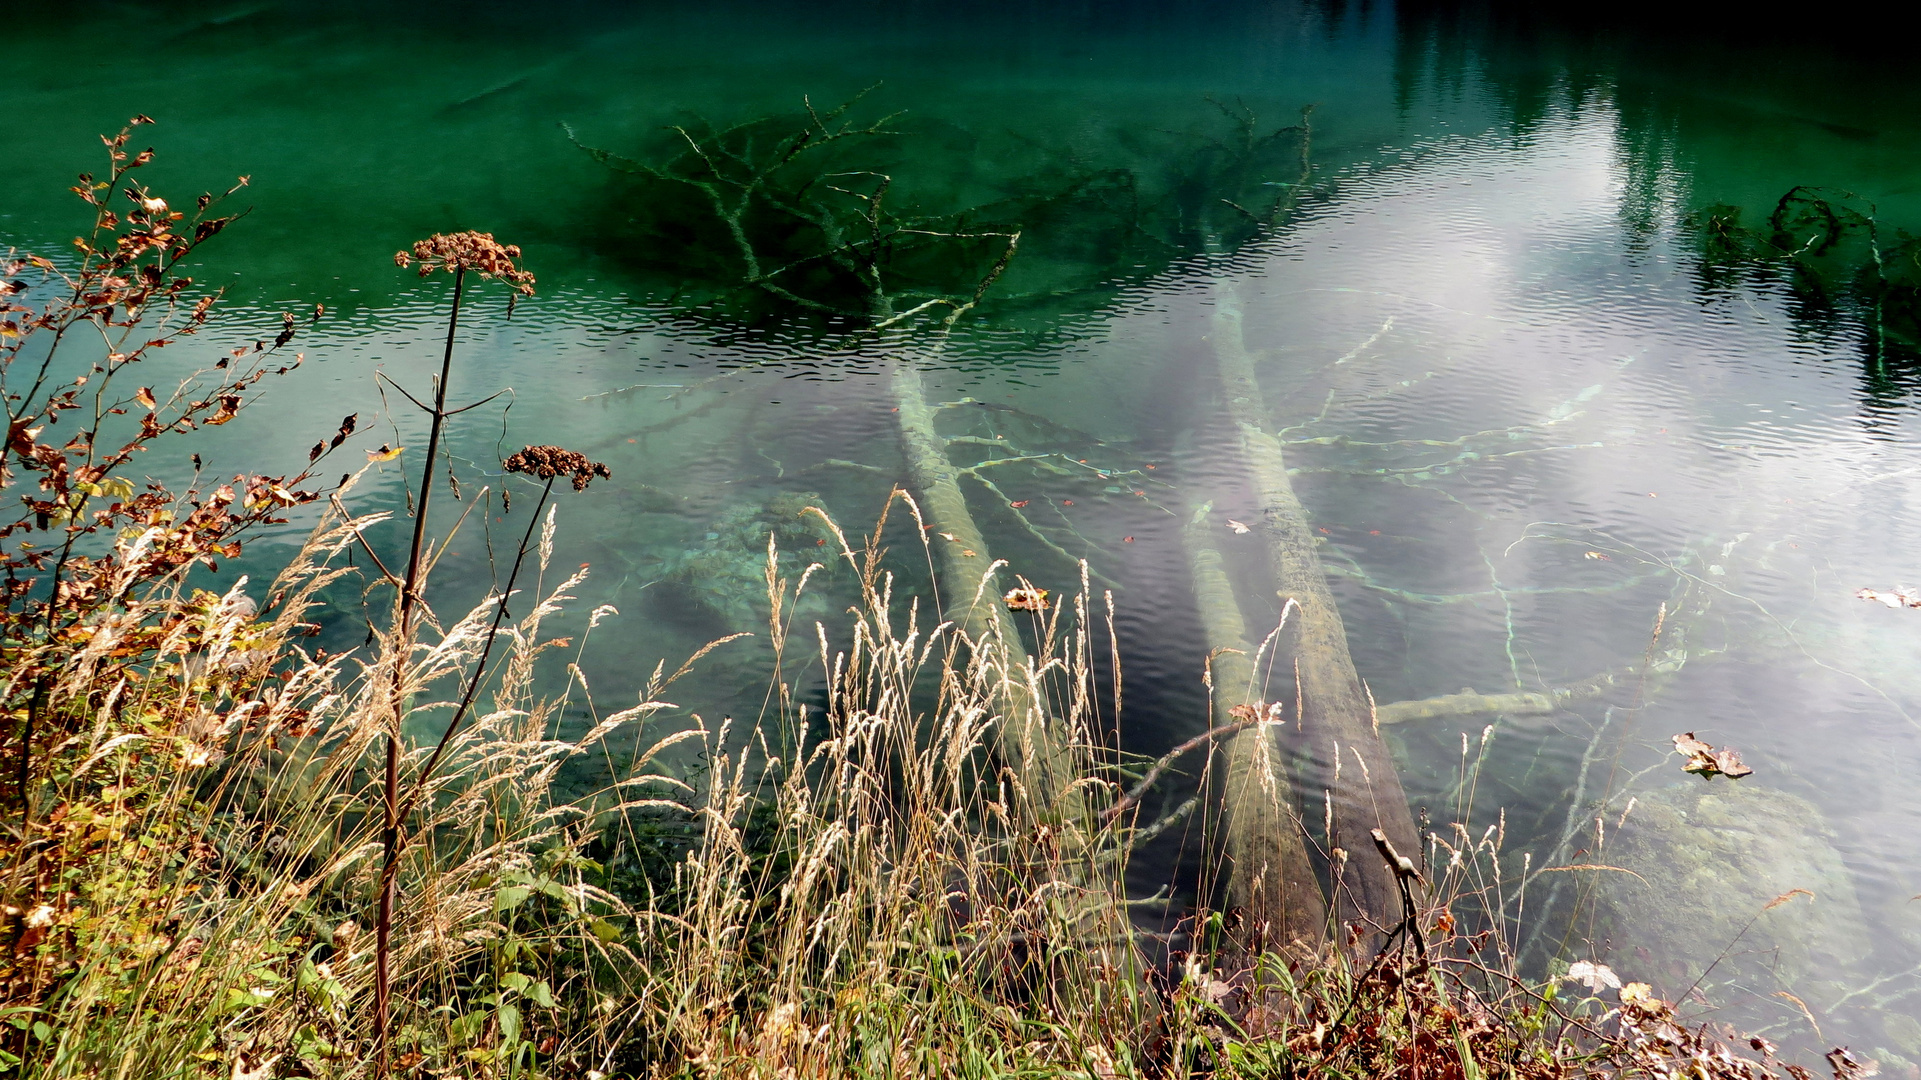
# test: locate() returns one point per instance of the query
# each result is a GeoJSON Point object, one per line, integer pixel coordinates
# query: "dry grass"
{"type": "Point", "coordinates": [869, 890]}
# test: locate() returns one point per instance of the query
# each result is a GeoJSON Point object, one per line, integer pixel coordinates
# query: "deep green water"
{"type": "Point", "coordinates": [1493, 245]}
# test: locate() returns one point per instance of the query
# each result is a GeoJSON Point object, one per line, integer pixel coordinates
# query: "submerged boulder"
{"type": "Point", "coordinates": [1735, 887]}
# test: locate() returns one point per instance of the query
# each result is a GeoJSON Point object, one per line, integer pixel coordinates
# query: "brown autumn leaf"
{"type": "Point", "coordinates": [1025, 598]}
{"type": "Point", "coordinates": [1705, 761]}
{"type": "Point", "coordinates": [1729, 764]}
{"type": "Point", "coordinates": [1687, 744]}
{"type": "Point", "coordinates": [145, 397]}
{"type": "Point", "coordinates": [229, 408]}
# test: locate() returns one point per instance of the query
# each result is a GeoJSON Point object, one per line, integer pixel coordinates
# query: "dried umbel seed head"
{"type": "Point", "coordinates": [547, 462]}
{"type": "Point", "coordinates": [477, 252]}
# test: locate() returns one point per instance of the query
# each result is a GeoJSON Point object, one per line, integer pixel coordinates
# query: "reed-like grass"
{"type": "Point", "coordinates": [868, 889]}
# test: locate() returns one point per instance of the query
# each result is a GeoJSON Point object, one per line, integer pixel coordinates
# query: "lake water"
{"type": "Point", "coordinates": [1524, 413]}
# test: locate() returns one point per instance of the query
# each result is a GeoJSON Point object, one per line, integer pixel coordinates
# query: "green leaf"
{"type": "Point", "coordinates": [511, 897]}
{"type": "Point", "coordinates": [605, 930]}
{"type": "Point", "coordinates": [465, 1029]}
{"type": "Point", "coordinates": [509, 1018]}
{"type": "Point", "coordinates": [515, 982]}
{"type": "Point", "coordinates": [541, 995]}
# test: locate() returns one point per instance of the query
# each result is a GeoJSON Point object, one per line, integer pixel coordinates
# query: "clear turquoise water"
{"type": "Point", "coordinates": [1494, 248]}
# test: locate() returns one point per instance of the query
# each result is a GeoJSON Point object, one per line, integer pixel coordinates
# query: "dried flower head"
{"type": "Point", "coordinates": [473, 251]}
{"type": "Point", "coordinates": [547, 462]}
{"type": "Point", "coordinates": [1026, 598]}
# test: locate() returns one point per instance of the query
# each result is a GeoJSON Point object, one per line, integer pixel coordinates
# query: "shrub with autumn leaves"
{"type": "Point", "coordinates": [101, 361]}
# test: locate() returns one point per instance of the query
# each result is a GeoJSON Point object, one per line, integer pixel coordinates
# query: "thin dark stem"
{"type": "Point", "coordinates": [390, 786]}
{"type": "Point", "coordinates": [480, 668]}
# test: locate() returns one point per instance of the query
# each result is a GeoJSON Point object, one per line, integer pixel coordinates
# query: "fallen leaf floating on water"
{"type": "Point", "coordinates": [1848, 1065]}
{"type": "Point", "coordinates": [1641, 996]}
{"type": "Point", "coordinates": [1595, 977]}
{"type": "Point", "coordinates": [1894, 598]}
{"type": "Point", "coordinates": [1596, 555]}
{"type": "Point", "coordinates": [969, 552]}
{"type": "Point", "coordinates": [949, 536]}
{"type": "Point", "coordinates": [1237, 526]}
{"type": "Point", "coordinates": [1706, 762]}
{"type": "Point", "coordinates": [1018, 503]}
{"type": "Point", "coordinates": [1127, 539]}
{"type": "Point", "coordinates": [1026, 598]}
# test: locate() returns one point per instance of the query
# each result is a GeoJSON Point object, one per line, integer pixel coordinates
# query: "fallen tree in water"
{"type": "Point", "coordinates": [790, 213]}
{"type": "Point", "coordinates": [1270, 878]}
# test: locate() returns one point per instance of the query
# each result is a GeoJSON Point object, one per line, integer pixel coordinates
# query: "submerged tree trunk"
{"type": "Point", "coordinates": [1351, 765]}
{"type": "Point", "coordinates": [1038, 748]}
{"type": "Point", "coordinates": [1269, 877]}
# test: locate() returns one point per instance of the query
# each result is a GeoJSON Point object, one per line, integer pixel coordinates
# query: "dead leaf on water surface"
{"type": "Point", "coordinates": [1597, 556]}
{"type": "Point", "coordinates": [1237, 526]}
{"type": "Point", "coordinates": [950, 537]}
{"type": "Point", "coordinates": [1894, 598]}
{"type": "Point", "coordinates": [1026, 598]}
{"type": "Point", "coordinates": [1595, 977]}
{"type": "Point", "coordinates": [1848, 1065]}
{"type": "Point", "coordinates": [1705, 761]}
{"type": "Point", "coordinates": [969, 552]}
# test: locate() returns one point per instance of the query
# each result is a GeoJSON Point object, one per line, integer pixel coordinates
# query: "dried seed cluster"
{"type": "Point", "coordinates": [474, 251]}
{"type": "Point", "coordinates": [547, 462]}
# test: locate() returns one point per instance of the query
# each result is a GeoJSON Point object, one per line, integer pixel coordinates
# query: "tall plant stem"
{"type": "Point", "coordinates": [480, 667]}
{"type": "Point", "coordinates": [402, 651]}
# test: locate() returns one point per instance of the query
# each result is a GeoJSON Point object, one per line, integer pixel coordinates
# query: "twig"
{"type": "Point", "coordinates": [1133, 797]}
